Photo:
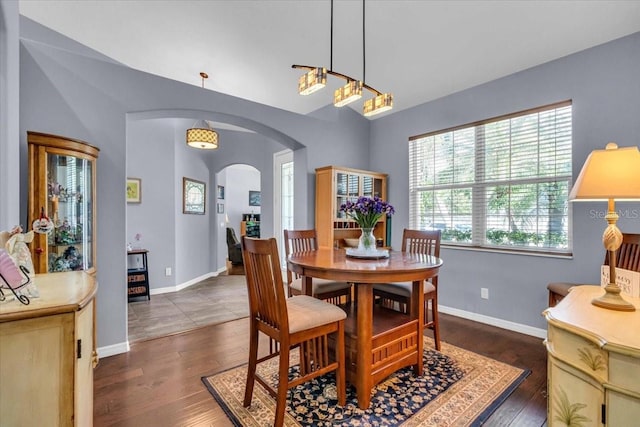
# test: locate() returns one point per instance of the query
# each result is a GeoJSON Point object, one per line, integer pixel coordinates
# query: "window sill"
{"type": "Point", "coordinates": [561, 255]}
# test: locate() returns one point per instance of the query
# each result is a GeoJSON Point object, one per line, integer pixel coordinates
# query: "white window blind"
{"type": "Point", "coordinates": [500, 183]}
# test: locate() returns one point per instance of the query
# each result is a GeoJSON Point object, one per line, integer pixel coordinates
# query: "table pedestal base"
{"type": "Point", "coordinates": [394, 345]}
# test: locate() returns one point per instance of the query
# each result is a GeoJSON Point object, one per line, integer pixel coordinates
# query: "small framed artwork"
{"type": "Point", "coordinates": [220, 208]}
{"type": "Point", "coordinates": [134, 190]}
{"type": "Point", "coordinates": [220, 192]}
{"type": "Point", "coordinates": [194, 196]}
{"type": "Point", "coordinates": [254, 198]}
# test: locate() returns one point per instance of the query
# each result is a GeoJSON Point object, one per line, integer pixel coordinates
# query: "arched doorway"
{"type": "Point", "coordinates": [238, 203]}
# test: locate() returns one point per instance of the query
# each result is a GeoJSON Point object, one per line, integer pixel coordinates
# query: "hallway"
{"type": "Point", "coordinates": [212, 301]}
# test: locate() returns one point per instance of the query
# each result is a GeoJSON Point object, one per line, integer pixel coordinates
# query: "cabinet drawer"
{"type": "Point", "coordinates": [625, 372]}
{"type": "Point", "coordinates": [578, 352]}
{"type": "Point", "coordinates": [136, 278]}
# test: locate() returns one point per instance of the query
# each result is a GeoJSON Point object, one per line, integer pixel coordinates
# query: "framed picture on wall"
{"type": "Point", "coordinates": [134, 190]}
{"type": "Point", "coordinates": [220, 208]}
{"type": "Point", "coordinates": [254, 198]}
{"type": "Point", "coordinates": [220, 192]}
{"type": "Point", "coordinates": [193, 196]}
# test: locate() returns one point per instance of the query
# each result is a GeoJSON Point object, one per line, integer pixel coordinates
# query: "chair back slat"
{"type": "Point", "coordinates": [267, 301]}
{"type": "Point", "coordinates": [628, 255]}
{"type": "Point", "coordinates": [296, 241]}
{"type": "Point", "coordinates": [425, 242]}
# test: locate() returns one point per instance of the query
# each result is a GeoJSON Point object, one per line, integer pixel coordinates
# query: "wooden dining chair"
{"type": "Point", "coordinates": [300, 321]}
{"type": "Point", "coordinates": [307, 240]}
{"type": "Point", "coordinates": [398, 295]}
{"type": "Point", "coordinates": [628, 258]}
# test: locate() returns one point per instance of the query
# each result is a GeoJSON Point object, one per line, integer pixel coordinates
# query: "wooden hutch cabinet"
{"type": "Point", "coordinates": [593, 372]}
{"type": "Point", "coordinates": [62, 187]}
{"type": "Point", "coordinates": [334, 186]}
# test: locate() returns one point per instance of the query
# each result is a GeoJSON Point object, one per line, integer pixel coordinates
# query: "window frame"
{"type": "Point", "coordinates": [479, 185]}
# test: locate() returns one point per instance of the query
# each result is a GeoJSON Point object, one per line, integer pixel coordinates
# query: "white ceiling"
{"type": "Point", "coordinates": [418, 50]}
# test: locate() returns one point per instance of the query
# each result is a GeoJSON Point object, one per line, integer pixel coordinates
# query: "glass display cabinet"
{"type": "Point", "coordinates": [62, 188]}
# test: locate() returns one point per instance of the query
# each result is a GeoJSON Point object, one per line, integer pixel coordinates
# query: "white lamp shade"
{"type": "Point", "coordinates": [612, 173]}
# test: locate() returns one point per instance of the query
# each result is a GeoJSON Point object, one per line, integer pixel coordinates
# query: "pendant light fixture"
{"type": "Point", "coordinates": [312, 81]}
{"type": "Point", "coordinates": [316, 78]}
{"type": "Point", "coordinates": [201, 134]}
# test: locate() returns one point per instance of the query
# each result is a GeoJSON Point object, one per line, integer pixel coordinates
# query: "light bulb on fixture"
{"type": "Point", "coordinates": [379, 104]}
{"type": "Point", "coordinates": [348, 93]}
{"type": "Point", "coordinates": [312, 81]}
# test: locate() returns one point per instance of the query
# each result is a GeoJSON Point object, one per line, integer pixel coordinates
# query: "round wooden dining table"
{"type": "Point", "coordinates": [379, 341]}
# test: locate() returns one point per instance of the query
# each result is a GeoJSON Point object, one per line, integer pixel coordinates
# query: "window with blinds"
{"type": "Point", "coordinates": [501, 183]}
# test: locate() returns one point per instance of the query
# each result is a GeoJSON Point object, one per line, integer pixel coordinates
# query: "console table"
{"type": "Point", "coordinates": [593, 372]}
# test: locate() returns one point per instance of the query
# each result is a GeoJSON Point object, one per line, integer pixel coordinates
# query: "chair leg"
{"type": "Point", "coordinates": [341, 371]}
{"type": "Point", "coordinates": [303, 360]}
{"type": "Point", "coordinates": [251, 367]}
{"type": "Point", "coordinates": [283, 386]}
{"type": "Point", "coordinates": [436, 322]}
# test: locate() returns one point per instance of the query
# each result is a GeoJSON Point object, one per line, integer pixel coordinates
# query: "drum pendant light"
{"type": "Point", "coordinates": [201, 135]}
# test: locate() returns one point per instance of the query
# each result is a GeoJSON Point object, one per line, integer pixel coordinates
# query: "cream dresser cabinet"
{"type": "Point", "coordinates": [593, 376]}
{"type": "Point", "coordinates": [47, 354]}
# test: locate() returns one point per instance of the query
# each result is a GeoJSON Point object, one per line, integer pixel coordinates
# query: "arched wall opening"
{"type": "Point", "coordinates": [157, 154]}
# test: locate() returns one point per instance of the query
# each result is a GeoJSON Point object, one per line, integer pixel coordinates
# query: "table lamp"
{"type": "Point", "coordinates": [610, 174]}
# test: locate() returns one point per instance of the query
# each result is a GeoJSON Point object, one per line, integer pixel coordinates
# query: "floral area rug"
{"type": "Point", "coordinates": [458, 388]}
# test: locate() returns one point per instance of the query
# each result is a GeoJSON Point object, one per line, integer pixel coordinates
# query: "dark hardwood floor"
{"type": "Point", "coordinates": [158, 382]}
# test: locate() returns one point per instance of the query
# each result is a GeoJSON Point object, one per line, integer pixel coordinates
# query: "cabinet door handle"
{"type": "Point", "coordinates": [79, 349]}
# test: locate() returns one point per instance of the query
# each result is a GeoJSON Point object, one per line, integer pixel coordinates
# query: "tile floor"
{"type": "Point", "coordinates": [214, 300]}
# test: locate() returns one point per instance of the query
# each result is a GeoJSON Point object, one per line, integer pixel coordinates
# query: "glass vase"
{"type": "Point", "coordinates": [367, 241]}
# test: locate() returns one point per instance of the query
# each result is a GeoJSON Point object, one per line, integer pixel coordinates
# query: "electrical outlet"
{"type": "Point", "coordinates": [484, 293]}
{"type": "Point", "coordinates": [167, 271]}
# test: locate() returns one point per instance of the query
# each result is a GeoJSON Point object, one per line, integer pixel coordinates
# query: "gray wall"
{"type": "Point", "coordinates": [68, 92]}
{"type": "Point", "coordinates": [604, 84]}
{"type": "Point", "coordinates": [192, 232]}
{"type": "Point", "coordinates": [154, 217]}
{"type": "Point", "coordinates": [9, 117]}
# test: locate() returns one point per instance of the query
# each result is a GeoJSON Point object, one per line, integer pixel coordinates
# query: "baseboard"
{"type": "Point", "coordinates": [112, 350]}
{"type": "Point", "coordinates": [493, 321]}
{"type": "Point", "coordinates": [181, 286]}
